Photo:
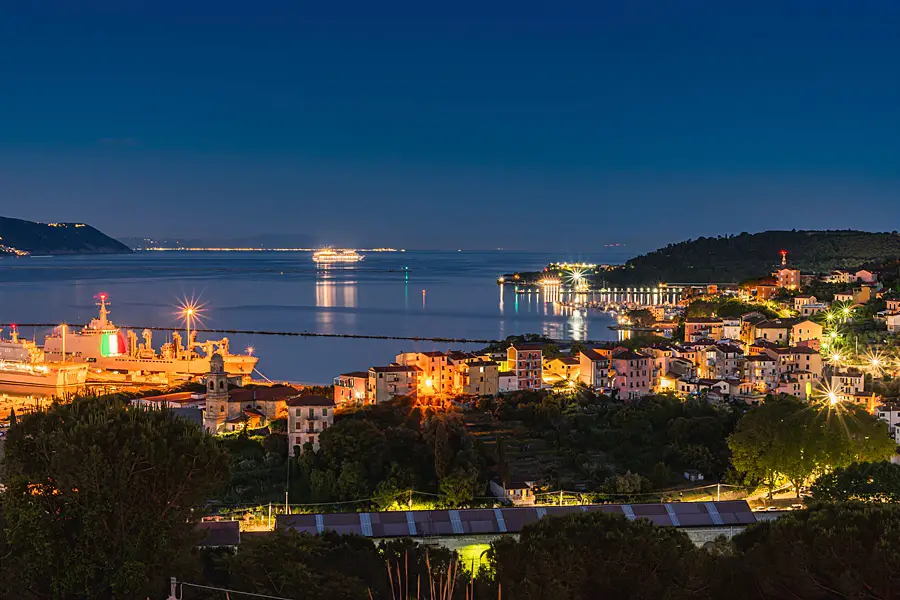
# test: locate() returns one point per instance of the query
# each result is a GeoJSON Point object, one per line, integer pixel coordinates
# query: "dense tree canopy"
{"type": "Point", "coordinates": [597, 555]}
{"type": "Point", "coordinates": [867, 481]}
{"type": "Point", "coordinates": [786, 439]}
{"type": "Point", "coordinates": [384, 452]}
{"type": "Point", "coordinates": [594, 439]}
{"type": "Point", "coordinates": [735, 258]}
{"type": "Point", "coordinates": [835, 551]}
{"type": "Point", "coordinates": [327, 567]}
{"type": "Point", "coordinates": [100, 499]}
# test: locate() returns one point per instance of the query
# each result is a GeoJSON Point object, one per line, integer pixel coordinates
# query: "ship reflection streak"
{"type": "Point", "coordinates": [331, 294]}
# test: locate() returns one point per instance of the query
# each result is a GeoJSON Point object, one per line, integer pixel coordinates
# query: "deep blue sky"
{"type": "Point", "coordinates": [474, 124]}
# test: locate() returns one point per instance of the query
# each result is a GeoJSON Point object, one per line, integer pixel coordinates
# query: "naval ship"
{"type": "Point", "coordinates": [106, 349]}
{"type": "Point", "coordinates": [23, 363]}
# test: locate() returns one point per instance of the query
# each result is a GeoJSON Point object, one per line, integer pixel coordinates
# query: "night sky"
{"type": "Point", "coordinates": [472, 124]}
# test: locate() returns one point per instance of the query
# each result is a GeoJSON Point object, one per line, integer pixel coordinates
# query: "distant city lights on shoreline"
{"type": "Point", "coordinates": [192, 249]}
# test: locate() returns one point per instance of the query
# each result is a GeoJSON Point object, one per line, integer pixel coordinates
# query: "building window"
{"type": "Point", "coordinates": [324, 412]}
{"type": "Point", "coordinates": [312, 413]}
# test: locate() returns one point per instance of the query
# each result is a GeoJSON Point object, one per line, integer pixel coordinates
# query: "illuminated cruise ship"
{"type": "Point", "coordinates": [332, 255]}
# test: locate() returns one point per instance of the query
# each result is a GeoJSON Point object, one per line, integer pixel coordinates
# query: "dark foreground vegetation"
{"type": "Point", "coordinates": [101, 502]}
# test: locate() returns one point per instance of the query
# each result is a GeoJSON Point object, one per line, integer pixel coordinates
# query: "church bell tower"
{"type": "Point", "coordinates": [216, 395]}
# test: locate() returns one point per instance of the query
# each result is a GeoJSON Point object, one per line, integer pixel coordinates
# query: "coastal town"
{"type": "Point", "coordinates": [787, 342]}
{"type": "Point", "coordinates": [450, 301]}
{"type": "Point", "coordinates": [722, 348]}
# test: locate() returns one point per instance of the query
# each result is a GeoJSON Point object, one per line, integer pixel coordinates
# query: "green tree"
{"type": "Point", "coordinates": [291, 565]}
{"type": "Point", "coordinates": [785, 438]}
{"type": "Point", "coordinates": [834, 551]}
{"type": "Point", "coordinates": [641, 318]}
{"type": "Point", "coordinates": [101, 497]}
{"type": "Point", "coordinates": [598, 555]}
{"type": "Point", "coordinates": [443, 449]}
{"type": "Point", "coordinates": [868, 481]}
{"type": "Point", "coordinates": [627, 484]}
{"type": "Point", "coordinates": [852, 435]}
{"type": "Point", "coordinates": [764, 444]}
{"type": "Point", "coordinates": [459, 487]}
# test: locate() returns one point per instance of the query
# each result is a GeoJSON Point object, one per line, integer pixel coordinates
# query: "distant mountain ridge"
{"type": "Point", "coordinates": [736, 258]}
{"type": "Point", "coordinates": [20, 237]}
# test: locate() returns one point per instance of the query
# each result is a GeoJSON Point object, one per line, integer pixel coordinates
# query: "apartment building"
{"type": "Point", "coordinates": [479, 378]}
{"type": "Point", "coordinates": [807, 333]}
{"type": "Point", "coordinates": [307, 418]}
{"type": "Point", "coordinates": [594, 366]}
{"type": "Point", "coordinates": [386, 383]}
{"type": "Point", "coordinates": [350, 388]}
{"type": "Point", "coordinates": [631, 374]}
{"type": "Point", "coordinates": [436, 375]}
{"type": "Point", "coordinates": [761, 371]}
{"type": "Point", "coordinates": [699, 328]}
{"type": "Point", "coordinates": [848, 383]}
{"type": "Point", "coordinates": [723, 360]}
{"type": "Point", "coordinates": [788, 278]}
{"type": "Point", "coordinates": [526, 361]}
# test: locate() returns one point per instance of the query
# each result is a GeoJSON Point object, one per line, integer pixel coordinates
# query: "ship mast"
{"type": "Point", "coordinates": [104, 312]}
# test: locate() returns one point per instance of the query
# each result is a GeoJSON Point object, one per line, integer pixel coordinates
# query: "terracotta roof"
{"type": "Point", "coordinates": [701, 320]}
{"type": "Point", "coordinates": [483, 363]}
{"type": "Point", "coordinates": [753, 317]}
{"type": "Point", "coordinates": [262, 394]}
{"type": "Point", "coordinates": [760, 358]}
{"type": "Point", "coordinates": [764, 344]}
{"type": "Point", "coordinates": [729, 348]}
{"type": "Point", "coordinates": [507, 374]}
{"type": "Point", "coordinates": [528, 346]}
{"type": "Point", "coordinates": [486, 521]}
{"type": "Point", "coordinates": [592, 354]}
{"type": "Point", "coordinates": [569, 360]}
{"type": "Point", "coordinates": [311, 400]}
{"type": "Point", "coordinates": [355, 374]}
{"type": "Point", "coordinates": [395, 369]}
{"type": "Point", "coordinates": [805, 320]}
{"type": "Point", "coordinates": [803, 350]}
{"type": "Point", "coordinates": [628, 355]}
{"type": "Point", "coordinates": [775, 324]}
{"type": "Point", "coordinates": [434, 353]}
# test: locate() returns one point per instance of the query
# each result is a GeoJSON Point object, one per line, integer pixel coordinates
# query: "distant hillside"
{"type": "Point", "coordinates": [739, 257]}
{"type": "Point", "coordinates": [26, 237]}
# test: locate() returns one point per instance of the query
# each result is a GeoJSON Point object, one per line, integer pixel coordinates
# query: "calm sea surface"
{"type": "Point", "coordinates": [441, 294]}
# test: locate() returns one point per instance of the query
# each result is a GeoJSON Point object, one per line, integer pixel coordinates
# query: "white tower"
{"type": "Point", "coordinates": [216, 394]}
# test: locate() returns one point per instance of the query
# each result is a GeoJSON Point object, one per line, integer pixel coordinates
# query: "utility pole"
{"type": "Point", "coordinates": [173, 586]}
{"type": "Point", "coordinates": [287, 488]}
{"type": "Point", "coordinates": [270, 515]}
{"type": "Point", "coordinates": [718, 492]}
